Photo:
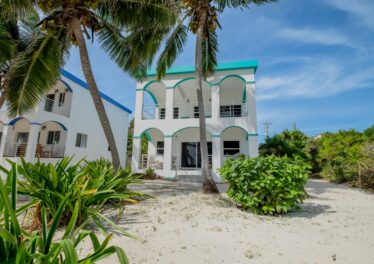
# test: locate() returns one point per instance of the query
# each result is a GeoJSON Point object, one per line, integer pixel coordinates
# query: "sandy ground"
{"type": "Point", "coordinates": [335, 225]}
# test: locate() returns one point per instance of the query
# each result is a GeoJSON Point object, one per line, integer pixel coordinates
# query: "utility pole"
{"type": "Point", "coordinates": [266, 127]}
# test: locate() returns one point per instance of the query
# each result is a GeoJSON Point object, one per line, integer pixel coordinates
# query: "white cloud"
{"type": "Point", "coordinates": [363, 10]}
{"type": "Point", "coordinates": [327, 37]}
{"type": "Point", "coordinates": [315, 78]}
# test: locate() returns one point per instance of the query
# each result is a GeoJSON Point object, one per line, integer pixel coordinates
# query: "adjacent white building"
{"type": "Point", "coordinates": [65, 123]}
{"type": "Point", "coordinates": [166, 114]}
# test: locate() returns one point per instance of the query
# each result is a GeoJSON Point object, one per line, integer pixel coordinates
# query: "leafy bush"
{"type": "Point", "coordinates": [19, 246]}
{"type": "Point", "coordinates": [266, 185]}
{"type": "Point", "coordinates": [150, 173]}
{"type": "Point", "coordinates": [90, 186]}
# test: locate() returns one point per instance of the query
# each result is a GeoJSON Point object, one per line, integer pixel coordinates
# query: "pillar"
{"type": "Point", "coordinates": [136, 151]}
{"type": "Point", "coordinates": [253, 145]}
{"type": "Point", "coordinates": [169, 103]}
{"type": "Point", "coordinates": [4, 141]}
{"type": "Point", "coordinates": [32, 141]}
{"type": "Point", "coordinates": [215, 102]}
{"type": "Point", "coordinates": [168, 157]}
{"type": "Point", "coordinates": [139, 104]}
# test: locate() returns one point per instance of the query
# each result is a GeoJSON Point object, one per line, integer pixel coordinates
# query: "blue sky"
{"type": "Point", "coordinates": [316, 63]}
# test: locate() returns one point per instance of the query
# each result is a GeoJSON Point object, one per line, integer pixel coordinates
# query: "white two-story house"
{"type": "Point", "coordinates": [166, 114]}
{"type": "Point", "coordinates": [65, 123]}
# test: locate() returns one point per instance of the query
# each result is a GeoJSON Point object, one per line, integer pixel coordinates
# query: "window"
{"type": "Point", "coordinates": [22, 137]}
{"type": "Point", "coordinates": [231, 148]}
{"type": "Point", "coordinates": [81, 141]}
{"type": "Point", "coordinates": [176, 113]}
{"type": "Point", "coordinates": [231, 111]}
{"type": "Point", "coordinates": [61, 99]}
{"type": "Point", "coordinates": [162, 113]}
{"type": "Point", "coordinates": [191, 157]}
{"type": "Point", "coordinates": [196, 112]}
{"type": "Point", "coordinates": [49, 100]}
{"type": "Point", "coordinates": [160, 147]}
{"type": "Point", "coordinates": [53, 137]}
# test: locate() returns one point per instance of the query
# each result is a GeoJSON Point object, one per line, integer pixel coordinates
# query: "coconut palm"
{"type": "Point", "coordinates": [200, 18]}
{"type": "Point", "coordinates": [70, 22]}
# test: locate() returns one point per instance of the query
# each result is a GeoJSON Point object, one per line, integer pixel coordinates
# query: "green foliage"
{"type": "Point", "coordinates": [369, 133]}
{"type": "Point", "coordinates": [19, 246]}
{"type": "Point", "coordinates": [89, 185]}
{"type": "Point", "coordinates": [150, 173]}
{"type": "Point", "coordinates": [266, 185]}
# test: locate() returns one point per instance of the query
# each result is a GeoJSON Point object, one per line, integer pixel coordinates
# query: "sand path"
{"type": "Point", "coordinates": [335, 225]}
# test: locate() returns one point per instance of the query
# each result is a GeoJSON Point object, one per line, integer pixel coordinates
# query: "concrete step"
{"type": "Point", "coordinates": [190, 178]}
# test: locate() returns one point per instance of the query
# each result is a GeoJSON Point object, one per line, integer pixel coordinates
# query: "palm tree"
{"type": "Point", "coordinates": [70, 22]}
{"type": "Point", "coordinates": [199, 17]}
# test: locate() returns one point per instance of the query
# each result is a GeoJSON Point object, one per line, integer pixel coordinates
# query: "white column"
{"type": "Point", "coordinates": [136, 151]}
{"type": "Point", "coordinates": [253, 145]}
{"type": "Point", "coordinates": [4, 141]}
{"type": "Point", "coordinates": [215, 102]}
{"type": "Point", "coordinates": [216, 156]}
{"type": "Point", "coordinates": [32, 141]}
{"type": "Point", "coordinates": [169, 103]}
{"type": "Point", "coordinates": [139, 104]}
{"type": "Point", "coordinates": [251, 108]}
{"type": "Point", "coordinates": [168, 173]}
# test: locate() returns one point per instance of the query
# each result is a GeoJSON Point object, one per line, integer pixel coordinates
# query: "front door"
{"type": "Point", "coordinates": [191, 157]}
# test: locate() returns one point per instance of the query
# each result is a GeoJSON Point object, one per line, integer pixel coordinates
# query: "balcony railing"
{"type": "Point", "coordinates": [151, 161]}
{"type": "Point", "coordinates": [48, 104]}
{"type": "Point", "coordinates": [150, 112]}
{"type": "Point", "coordinates": [15, 149]}
{"type": "Point", "coordinates": [233, 109]}
{"type": "Point", "coordinates": [191, 111]}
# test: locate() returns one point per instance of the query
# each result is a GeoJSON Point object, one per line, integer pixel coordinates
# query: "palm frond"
{"type": "Point", "coordinates": [34, 71]}
{"type": "Point", "coordinates": [222, 4]}
{"type": "Point", "coordinates": [209, 56]}
{"type": "Point", "coordinates": [119, 49]}
{"type": "Point", "coordinates": [6, 45]}
{"type": "Point", "coordinates": [173, 46]}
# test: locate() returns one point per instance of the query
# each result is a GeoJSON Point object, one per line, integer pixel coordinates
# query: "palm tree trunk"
{"type": "Point", "coordinates": [94, 91]}
{"type": "Point", "coordinates": [209, 185]}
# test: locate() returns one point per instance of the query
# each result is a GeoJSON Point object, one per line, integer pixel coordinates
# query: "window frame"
{"type": "Point", "coordinates": [160, 150]}
{"type": "Point", "coordinates": [55, 133]}
{"type": "Point", "coordinates": [81, 140]}
{"type": "Point", "coordinates": [225, 149]}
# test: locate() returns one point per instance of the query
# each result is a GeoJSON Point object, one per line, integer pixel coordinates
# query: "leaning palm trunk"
{"type": "Point", "coordinates": [209, 185]}
{"type": "Point", "coordinates": [94, 91]}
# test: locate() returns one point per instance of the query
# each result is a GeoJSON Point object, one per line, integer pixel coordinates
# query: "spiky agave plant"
{"type": "Point", "coordinates": [19, 246]}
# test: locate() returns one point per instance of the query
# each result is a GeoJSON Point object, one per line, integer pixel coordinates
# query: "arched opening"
{"type": "Point", "coordinates": [232, 96]}
{"type": "Point", "coordinates": [154, 100]}
{"type": "Point", "coordinates": [58, 100]}
{"type": "Point", "coordinates": [152, 151]}
{"type": "Point", "coordinates": [186, 149]}
{"type": "Point", "coordinates": [51, 140]}
{"type": "Point", "coordinates": [17, 137]}
{"type": "Point", "coordinates": [234, 142]}
{"type": "Point", "coordinates": [185, 99]}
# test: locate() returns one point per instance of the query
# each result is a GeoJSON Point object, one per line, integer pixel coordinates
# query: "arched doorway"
{"type": "Point", "coordinates": [17, 138]}
{"type": "Point", "coordinates": [51, 140]}
{"type": "Point", "coordinates": [154, 97]}
{"type": "Point", "coordinates": [152, 152]}
{"type": "Point", "coordinates": [232, 96]}
{"type": "Point", "coordinates": [234, 142]}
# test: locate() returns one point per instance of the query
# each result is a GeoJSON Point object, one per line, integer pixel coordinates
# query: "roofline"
{"type": "Point", "coordinates": [83, 84]}
{"type": "Point", "coordinates": [226, 66]}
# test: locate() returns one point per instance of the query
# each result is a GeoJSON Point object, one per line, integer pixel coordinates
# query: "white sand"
{"type": "Point", "coordinates": [335, 225]}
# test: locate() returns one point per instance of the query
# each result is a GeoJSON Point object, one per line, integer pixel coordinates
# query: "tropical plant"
{"type": "Point", "coordinates": [89, 187]}
{"type": "Point", "coordinates": [19, 246]}
{"type": "Point", "coordinates": [201, 18]}
{"type": "Point", "coordinates": [266, 185]}
{"type": "Point", "coordinates": [67, 22]}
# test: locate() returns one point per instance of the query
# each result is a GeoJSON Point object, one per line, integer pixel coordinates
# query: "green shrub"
{"type": "Point", "coordinates": [149, 173]}
{"type": "Point", "coordinates": [90, 185]}
{"type": "Point", "coordinates": [17, 245]}
{"type": "Point", "coordinates": [266, 185]}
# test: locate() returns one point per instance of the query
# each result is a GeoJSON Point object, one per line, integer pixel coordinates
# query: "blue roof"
{"type": "Point", "coordinates": [227, 66]}
{"type": "Point", "coordinates": [83, 84]}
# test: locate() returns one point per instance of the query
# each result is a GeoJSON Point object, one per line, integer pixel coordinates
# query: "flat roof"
{"type": "Point", "coordinates": [225, 66]}
{"type": "Point", "coordinates": [83, 84]}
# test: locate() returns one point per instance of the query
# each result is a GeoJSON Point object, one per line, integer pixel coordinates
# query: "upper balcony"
{"type": "Point", "coordinates": [180, 101]}
{"type": "Point", "coordinates": [58, 100]}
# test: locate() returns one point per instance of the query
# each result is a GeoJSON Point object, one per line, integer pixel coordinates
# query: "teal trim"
{"type": "Point", "coordinates": [148, 136]}
{"type": "Point", "coordinates": [227, 66]}
{"type": "Point", "coordinates": [246, 132]}
{"type": "Point", "coordinates": [244, 97]}
{"type": "Point", "coordinates": [252, 135]}
{"type": "Point", "coordinates": [186, 128]}
{"type": "Point", "coordinates": [188, 79]}
{"type": "Point", "coordinates": [216, 135]}
{"type": "Point", "coordinates": [251, 82]}
{"type": "Point", "coordinates": [152, 96]}
{"type": "Point", "coordinates": [169, 178]}
{"type": "Point", "coordinates": [150, 82]}
{"type": "Point", "coordinates": [167, 136]}
{"type": "Point", "coordinates": [145, 132]}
